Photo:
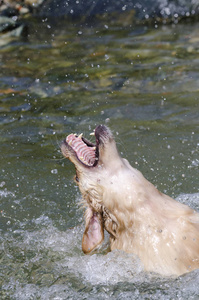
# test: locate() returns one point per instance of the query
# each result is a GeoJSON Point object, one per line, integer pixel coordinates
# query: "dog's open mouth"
{"type": "Point", "coordinates": [86, 152]}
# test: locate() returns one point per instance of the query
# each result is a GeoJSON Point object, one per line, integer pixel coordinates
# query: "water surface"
{"type": "Point", "coordinates": [141, 81]}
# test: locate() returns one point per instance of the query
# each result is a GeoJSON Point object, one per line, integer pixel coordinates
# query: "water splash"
{"type": "Point", "coordinates": [44, 262]}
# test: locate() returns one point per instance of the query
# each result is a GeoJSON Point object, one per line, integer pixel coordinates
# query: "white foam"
{"type": "Point", "coordinates": [107, 269]}
{"type": "Point", "coordinates": [59, 270]}
{"type": "Point", "coordinates": [5, 193]}
{"type": "Point", "coordinates": [191, 200]}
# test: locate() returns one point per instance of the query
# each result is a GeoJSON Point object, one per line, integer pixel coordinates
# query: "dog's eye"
{"type": "Point", "coordinates": [76, 178]}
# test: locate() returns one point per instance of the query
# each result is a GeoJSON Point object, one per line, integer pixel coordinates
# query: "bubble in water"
{"type": "Point", "coordinates": [54, 171]}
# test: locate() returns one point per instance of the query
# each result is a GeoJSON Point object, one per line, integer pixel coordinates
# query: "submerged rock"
{"type": "Point", "coordinates": [7, 24]}
{"type": "Point", "coordinates": [11, 27]}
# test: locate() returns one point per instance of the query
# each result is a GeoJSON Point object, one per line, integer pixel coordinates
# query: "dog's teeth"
{"type": "Point", "coordinates": [94, 148]}
{"type": "Point", "coordinates": [83, 160]}
{"type": "Point", "coordinates": [80, 136]}
{"type": "Point", "coordinates": [92, 133]}
{"type": "Point", "coordinates": [70, 143]}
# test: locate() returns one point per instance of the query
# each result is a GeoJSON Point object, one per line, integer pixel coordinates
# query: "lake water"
{"type": "Point", "coordinates": [143, 82]}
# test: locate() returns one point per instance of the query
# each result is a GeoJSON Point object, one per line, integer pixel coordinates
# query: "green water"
{"type": "Point", "coordinates": [141, 81]}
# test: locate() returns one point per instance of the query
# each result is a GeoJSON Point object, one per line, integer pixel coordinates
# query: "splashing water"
{"type": "Point", "coordinates": [41, 261]}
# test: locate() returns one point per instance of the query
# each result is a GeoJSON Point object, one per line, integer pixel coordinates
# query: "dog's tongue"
{"type": "Point", "coordinates": [94, 232]}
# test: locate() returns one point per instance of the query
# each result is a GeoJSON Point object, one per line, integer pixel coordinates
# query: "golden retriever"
{"type": "Point", "coordinates": [162, 232]}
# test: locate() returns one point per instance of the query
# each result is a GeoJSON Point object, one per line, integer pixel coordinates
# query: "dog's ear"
{"type": "Point", "coordinates": [94, 233]}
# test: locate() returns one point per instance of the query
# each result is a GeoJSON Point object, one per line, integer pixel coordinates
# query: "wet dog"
{"type": "Point", "coordinates": [162, 232]}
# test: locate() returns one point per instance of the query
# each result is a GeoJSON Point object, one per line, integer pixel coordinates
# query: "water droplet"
{"type": "Point", "coordinates": [54, 171]}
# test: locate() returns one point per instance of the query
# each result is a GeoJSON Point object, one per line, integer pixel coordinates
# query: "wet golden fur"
{"type": "Point", "coordinates": [162, 232]}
